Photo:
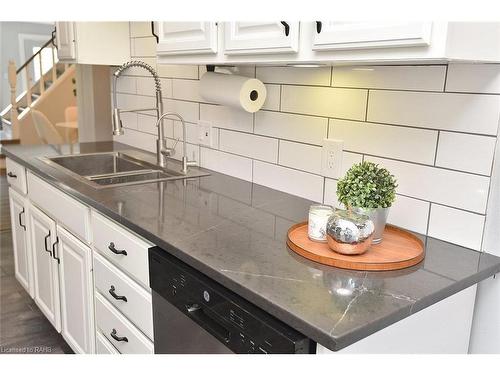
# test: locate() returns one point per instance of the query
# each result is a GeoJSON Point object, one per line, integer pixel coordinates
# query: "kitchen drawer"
{"type": "Point", "coordinates": [103, 346]}
{"type": "Point", "coordinates": [67, 211]}
{"type": "Point", "coordinates": [137, 307]}
{"type": "Point", "coordinates": [109, 320]}
{"type": "Point", "coordinates": [108, 235]}
{"type": "Point", "coordinates": [16, 176]}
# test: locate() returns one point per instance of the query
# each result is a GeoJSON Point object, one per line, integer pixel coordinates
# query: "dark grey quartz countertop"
{"type": "Point", "coordinates": [234, 232]}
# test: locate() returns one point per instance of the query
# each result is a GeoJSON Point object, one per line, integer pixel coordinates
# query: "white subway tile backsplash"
{"type": "Point", "coordinates": [226, 117]}
{"type": "Point", "coordinates": [129, 120]}
{"type": "Point", "coordinates": [191, 132]}
{"type": "Point", "coordinates": [416, 145]}
{"type": "Point", "coordinates": [391, 115]}
{"type": "Point", "coordinates": [147, 124]}
{"type": "Point", "coordinates": [300, 156]}
{"type": "Point", "coordinates": [466, 152]}
{"type": "Point", "coordinates": [189, 111]}
{"type": "Point", "coordinates": [451, 188]}
{"type": "Point", "coordinates": [409, 213]}
{"type": "Point", "coordinates": [299, 128]}
{"type": "Point", "coordinates": [252, 146]}
{"type": "Point", "coordinates": [295, 75]}
{"type": "Point", "coordinates": [146, 86]}
{"type": "Point", "coordinates": [193, 151]}
{"type": "Point", "coordinates": [476, 78]}
{"type": "Point", "coordinates": [330, 196]}
{"type": "Point", "coordinates": [137, 139]}
{"type": "Point", "coordinates": [127, 85]}
{"type": "Point", "coordinates": [223, 162]}
{"type": "Point", "coordinates": [456, 226]}
{"type": "Point", "coordinates": [291, 181]}
{"type": "Point", "coordinates": [446, 111]}
{"type": "Point", "coordinates": [178, 71]}
{"type": "Point", "coordinates": [273, 98]}
{"type": "Point", "coordinates": [348, 160]}
{"type": "Point", "coordinates": [144, 47]}
{"type": "Point", "coordinates": [324, 101]}
{"type": "Point", "coordinates": [416, 77]}
{"type": "Point", "coordinates": [186, 89]}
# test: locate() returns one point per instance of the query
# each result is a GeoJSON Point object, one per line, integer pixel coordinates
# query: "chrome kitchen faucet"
{"type": "Point", "coordinates": [162, 151]}
{"type": "Point", "coordinates": [185, 162]}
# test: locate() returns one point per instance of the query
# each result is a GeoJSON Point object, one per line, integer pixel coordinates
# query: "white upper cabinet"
{"type": "Point", "coordinates": [97, 43]}
{"type": "Point", "coordinates": [178, 38]}
{"type": "Point", "coordinates": [332, 35]}
{"type": "Point", "coordinates": [260, 37]}
{"type": "Point", "coordinates": [329, 42]}
{"type": "Point", "coordinates": [65, 40]}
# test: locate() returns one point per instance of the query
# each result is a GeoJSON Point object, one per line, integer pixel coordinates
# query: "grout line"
{"type": "Point", "coordinates": [367, 101]}
{"type": "Point", "coordinates": [445, 77]}
{"type": "Point", "coordinates": [437, 147]}
{"type": "Point", "coordinates": [331, 76]}
{"type": "Point", "coordinates": [428, 219]}
{"type": "Point", "coordinates": [281, 96]}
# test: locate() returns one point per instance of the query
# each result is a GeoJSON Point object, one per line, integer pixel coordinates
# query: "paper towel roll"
{"type": "Point", "coordinates": [233, 90]}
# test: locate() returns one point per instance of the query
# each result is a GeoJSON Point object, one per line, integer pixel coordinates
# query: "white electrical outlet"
{"type": "Point", "coordinates": [331, 157]}
{"type": "Point", "coordinates": [205, 133]}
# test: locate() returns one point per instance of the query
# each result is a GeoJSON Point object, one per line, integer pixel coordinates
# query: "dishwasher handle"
{"type": "Point", "coordinates": [206, 321]}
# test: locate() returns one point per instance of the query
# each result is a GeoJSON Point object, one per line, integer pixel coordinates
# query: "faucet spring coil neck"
{"type": "Point", "coordinates": [140, 64]}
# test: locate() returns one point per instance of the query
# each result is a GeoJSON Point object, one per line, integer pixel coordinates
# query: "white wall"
{"type": "Point", "coordinates": [434, 126]}
{"type": "Point", "coordinates": [9, 49]}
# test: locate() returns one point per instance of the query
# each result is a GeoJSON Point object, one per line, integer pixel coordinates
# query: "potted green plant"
{"type": "Point", "coordinates": [370, 190]}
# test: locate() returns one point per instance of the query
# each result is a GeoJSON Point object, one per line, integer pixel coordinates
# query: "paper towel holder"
{"type": "Point", "coordinates": [253, 94]}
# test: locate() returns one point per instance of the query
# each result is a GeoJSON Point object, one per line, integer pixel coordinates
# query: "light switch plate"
{"type": "Point", "coordinates": [331, 158]}
{"type": "Point", "coordinates": [205, 136]}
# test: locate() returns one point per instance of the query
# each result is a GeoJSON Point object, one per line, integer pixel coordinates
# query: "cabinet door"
{"type": "Point", "coordinates": [335, 35]}
{"type": "Point", "coordinates": [42, 231]}
{"type": "Point", "coordinates": [75, 275]}
{"type": "Point", "coordinates": [22, 252]}
{"type": "Point", "coordinates": [65, 40]}
{"type": "Point", "coordinates": [260, 37]}
{"type": "Point", "coordinates": [178, 38]}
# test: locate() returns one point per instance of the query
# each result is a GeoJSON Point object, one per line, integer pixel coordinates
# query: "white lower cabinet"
{"type": "Point", "coordinates": [23, 262]}
{"type": "Point", "coordinates": [126, 338]}
{"type": "Point", "coordinates": [103, 346]}
{"type": "Point", "coordinates": [45, 267]}
{"type": "Point", "coordinates": [75, 280]}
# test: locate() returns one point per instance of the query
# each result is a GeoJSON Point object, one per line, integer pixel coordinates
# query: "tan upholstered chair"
{"type": "Point", "coordinates": [45, 129]}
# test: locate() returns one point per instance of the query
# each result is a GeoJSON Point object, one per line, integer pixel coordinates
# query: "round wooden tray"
{"type": "Point", "coordinates": [399, 249]}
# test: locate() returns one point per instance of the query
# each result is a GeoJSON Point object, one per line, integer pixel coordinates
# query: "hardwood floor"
{"type": "Point", "coordinates": [23, 327]}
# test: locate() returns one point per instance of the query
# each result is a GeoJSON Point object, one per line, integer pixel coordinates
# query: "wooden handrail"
{"type": "Point", "coordinates": [35, 55]}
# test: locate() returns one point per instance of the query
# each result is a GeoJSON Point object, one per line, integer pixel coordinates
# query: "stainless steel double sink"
{"type": "Point", "coordinates": [110, 169]}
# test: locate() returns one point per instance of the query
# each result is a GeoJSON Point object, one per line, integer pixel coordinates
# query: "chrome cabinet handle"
{"type": "Point", "coordinates": [45, 243]}
{"type": "Point", "coordinates": [20, 222]}
{"type": "Point", "coordinates": [118, 338]}
{"type": "Point", "coordinates": [115, 250]}
{"type": "Point", "coordinates": [12, 175]}
{"type": "Point", "coordinates": [287, 27]}
{"type": "Point", "coordinates": [54, 250]}
{"type": "Point", "coordinates": [116, 296]}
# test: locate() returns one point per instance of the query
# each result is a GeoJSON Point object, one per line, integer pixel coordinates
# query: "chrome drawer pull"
{"type": "Point", "coordinates": [116, 296]}
{"type": "Point", "coordinates": [115, 250]}
{"type": "Point", "coordinates": [118, 338]}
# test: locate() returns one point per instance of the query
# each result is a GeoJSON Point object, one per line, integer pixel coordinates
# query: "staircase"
{"type": "Point", "coordinates": [15, 122]}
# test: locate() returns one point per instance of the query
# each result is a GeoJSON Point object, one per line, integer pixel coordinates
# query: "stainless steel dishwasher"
{"type": "Point", "coordinates": [194, 314]}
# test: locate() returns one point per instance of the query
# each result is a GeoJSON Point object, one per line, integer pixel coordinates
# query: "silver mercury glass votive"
{"type": "Point", "coordinates": [349, 233]}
